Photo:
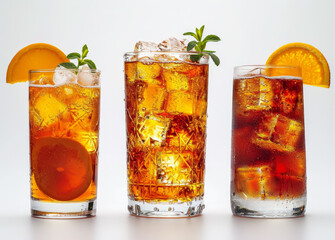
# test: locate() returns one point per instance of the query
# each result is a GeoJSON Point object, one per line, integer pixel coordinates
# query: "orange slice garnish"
{"type": "Point", "coordinates": [34, 56]}
{"type": "Point", "coordinates": [314, 66]}
{"type": "Point", "coordinates": [62, 167]}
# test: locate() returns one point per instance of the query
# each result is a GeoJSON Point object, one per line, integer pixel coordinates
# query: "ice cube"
{"type": "Point", "coordinates": [175, 81]}
{"type": "Point", "coordinates": [130, 69]}
{"type": "Point", "coordinates": [201, 108]}
{"type": "Point", "coordinates": [292, 98]}
{"type": "Point", "coordinates": [151, 98]}
{"type": "Point", "coordinates": [153, 128]}
{"type": "Point", "coordinates": [277, 132]}
{"type": "Point", "coordinates": [291, 164]}
{"type": "Point", "coordinates": [180, 102]}
{"type": "Point", "coordinates": [146, 46]}
{"type": "Point", "coordinates": [179, 67]}
{"type": "Point", "coordinates": [173, 44]}
{"type": "Point", "coordinates": [254, 182]}
{"type": "Point", "coordinates": [88, 78]}
{"type": "Point", "coordinates": [46, 109]}
{"type": "Point", "coordinates": [63, 76]}
{"type": "Point", "coordinates": [256, 94]}
{"type": "Point", "coordinates": [243, 150]}
{"type": "Point", "coordinates": [174, 167]}
{"type": "Point", "coordinates": [148, 72]}
{"type": "Point", "coordinates": [43, 80]}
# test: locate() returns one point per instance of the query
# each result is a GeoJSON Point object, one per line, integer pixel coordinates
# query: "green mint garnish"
{"type": "Point", "coordinates": [199, 45]}
{"type": "Point", "coordinates": [81, 59]}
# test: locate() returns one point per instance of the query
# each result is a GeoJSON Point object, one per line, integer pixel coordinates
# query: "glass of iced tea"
{"type": "Point", "coordinates": [64, 106]}
{"type": "Point", "coordinates": [268, 142]}
{"type": "Point", "coordinates": [166, 105]}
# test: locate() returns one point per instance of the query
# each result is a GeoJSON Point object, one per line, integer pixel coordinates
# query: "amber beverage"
{"type": "Point", "coordinates": [268, 142]}
{"type": "Point", "coordinates": [166, 105]}
{"type": "Point", "coordinates": [64, 108]}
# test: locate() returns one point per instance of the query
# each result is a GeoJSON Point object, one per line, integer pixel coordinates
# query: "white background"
{"type": "Point", "coordinates": [250, 31]}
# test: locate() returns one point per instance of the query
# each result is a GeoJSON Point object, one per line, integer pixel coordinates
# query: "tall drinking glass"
{"type": "Point", "coordinates": [166, 105]}
{"type": "Point", "coordinates": [64, 108]}
{"type": "Point", "coordinates": [268, 142]}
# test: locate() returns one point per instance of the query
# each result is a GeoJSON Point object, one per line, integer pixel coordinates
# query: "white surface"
{"type": "Point", "coordinates": [250, 30]}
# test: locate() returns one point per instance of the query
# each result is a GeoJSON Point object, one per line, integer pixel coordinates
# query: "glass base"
{"type": "Point", "coordinates": [63, 210]}
{"type": "Point", "coordinates": [258, 208]}
{"type": "Point", "coordinates": [166, 210]}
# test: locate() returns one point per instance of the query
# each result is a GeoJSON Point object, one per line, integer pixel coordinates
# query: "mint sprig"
{"type": "Point", "coordinates": [200, 45]}
{"type": "Point", "coordinates": [82, 60]}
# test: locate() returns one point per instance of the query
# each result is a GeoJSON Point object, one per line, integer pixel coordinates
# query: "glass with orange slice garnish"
{"type": "Point", "coordinates": [268, 136]}
{"type": "Point", "coordinates": [64, 106]}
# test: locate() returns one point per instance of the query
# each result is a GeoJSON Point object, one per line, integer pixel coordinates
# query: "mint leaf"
{"type": "Point", "coordinates": [191, 45]}
{"type": "Point", "coordinates": [90, 64]}
{"type": "Point", "coordinates": [196, 58]}
{"type": "Point", "coordinates": [80, 58]}
{"type": "Point", "coordinates": [200, 45]}
{"type": "Point", "coordinates": [81, 62]}
{"type": "Point", "coordinates": [73, 55]}
{"type": "Point", "coordinates": [197, 31]}
{"type": "Point", "coordinates": [197, 48]}
{"type": "Point", "coordinates": [191, 34]}
{"type": "Point", "coordinates": [68, 65]}
{"type": "Point", "coordinates": [84, 51]}
{"type": "Point", "coordinates": [211, 38]}
{"type": "Point", "coordinates": [215, 59]}
{"type": "Point", "coordinates": [201, 31]}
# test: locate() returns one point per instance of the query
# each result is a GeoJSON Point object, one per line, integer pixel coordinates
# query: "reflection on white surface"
{"type": "Point", "coordinates": [290, 228]}
{"type": "Point", "coordinates": [41, 229]}
{"type": "Point", "coordinates": [209, 226]}
{"type": "Point", "coordinates": [150, 228]}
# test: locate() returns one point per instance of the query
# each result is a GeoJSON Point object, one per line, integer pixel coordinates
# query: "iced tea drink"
{"type": "Point", "coordinates": [64, 108]}
{"type": "Point", "coordinates": [166, 105]}
{"type": "Point", "coordinates": [268, 142]}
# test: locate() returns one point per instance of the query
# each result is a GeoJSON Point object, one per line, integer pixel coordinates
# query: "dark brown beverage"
{"type": "Point", "coordinates": [268, 141]}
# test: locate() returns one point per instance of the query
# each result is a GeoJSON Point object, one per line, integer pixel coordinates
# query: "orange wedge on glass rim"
{"type": "Point", "coordinates": [34, 56]}
{"type": "Point", "coordinates": [314, 66]}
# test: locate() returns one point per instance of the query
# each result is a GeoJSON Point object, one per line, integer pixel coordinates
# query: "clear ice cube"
{"type": "Point", "coordinates": [254, 182]}
{"type": "Point", "coordinates": [256, 94]}
{"type": "Point", "coordinates": [277, 132]}
{"type": "Point", "coordinates": [146, 46]}
{"type": "Point", "coordinates": [291, 99]}
{"type": "Point", "coordinates": [201, 108]}
{"type": "Point", "coordinates": [64, 76]}
{"type": "Point", "coordinates": [151, 98]}
{"type": "Point", "coordinates": [173, 44]}
{"type": "Point", "coordinates": [175, 81]}
{"type": "Point", "coordinates": [47, 109]}
{"type": "Point", "coordinates": [292, 164]}
{"type": "Point", "coordinates": [88, 78]}
{"type": "Point", "coordinates": [148, 72]}
{"type": "Point", "coordinates": [44, 81]}
{"type": "Point", "coordinates": [153, 128]}
{"type": "Point", "coordinates": [180, 102]}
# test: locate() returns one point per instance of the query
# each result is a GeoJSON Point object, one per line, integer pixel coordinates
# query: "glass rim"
{"type": "Point", "coordinates": [267, 66]}
{"type": "Point", "coordinates": [50, 70]}
{"type": "Point", "coordinates": [165, 52]}
{"type": "Point", "coordinates": [244, 71]}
